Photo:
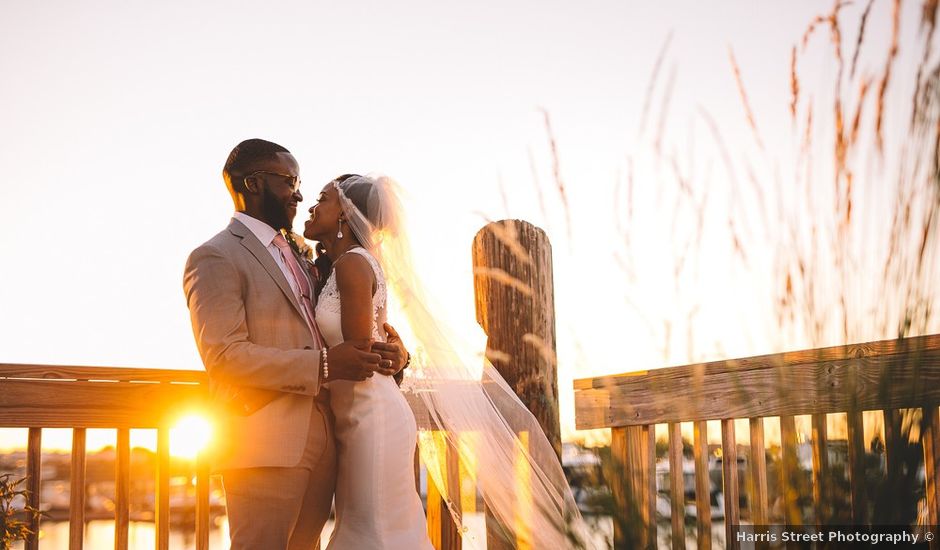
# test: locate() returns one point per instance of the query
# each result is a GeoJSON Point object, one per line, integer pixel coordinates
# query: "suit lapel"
{"type": "Point", "coordinates": [254, 246]}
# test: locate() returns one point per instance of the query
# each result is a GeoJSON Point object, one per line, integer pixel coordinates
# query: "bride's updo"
{"type": "Point", "coordinates": [366, 215]}
{"type": "Point", "coordinates": [362, 193]}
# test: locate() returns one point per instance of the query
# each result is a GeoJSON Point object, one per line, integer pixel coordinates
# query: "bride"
{"type": "Point", "coordinates": [376, 502]}
{"type": "Point", "coordinates": [358, 220]}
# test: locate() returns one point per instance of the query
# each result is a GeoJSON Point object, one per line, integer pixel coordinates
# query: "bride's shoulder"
{"type": "Point", "coordinates": [368, 257]}
{"type": "Point", "coordinates": [355, 273]}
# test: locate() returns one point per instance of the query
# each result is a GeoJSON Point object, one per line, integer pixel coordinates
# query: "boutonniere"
{"type": "Point", "coordinates": [298, 244]}
{"type": "Point", "coordinates": [301, 249]}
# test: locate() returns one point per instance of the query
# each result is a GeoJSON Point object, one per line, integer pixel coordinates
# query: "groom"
{"type": "Point", "coordinates": [251, 307]}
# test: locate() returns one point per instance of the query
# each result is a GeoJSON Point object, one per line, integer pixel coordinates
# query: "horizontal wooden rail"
{"type": "Point", "coordinates": [40, 396]}
{"type": "Point", "coordinates": [826, 380]}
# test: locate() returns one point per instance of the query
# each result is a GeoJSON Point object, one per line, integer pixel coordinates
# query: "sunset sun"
{"type": "Point", "coordinates": [191, 435]}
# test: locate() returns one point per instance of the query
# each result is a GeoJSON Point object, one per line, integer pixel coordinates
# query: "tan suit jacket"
{"type": "Point", "coordinates": [254, 342]}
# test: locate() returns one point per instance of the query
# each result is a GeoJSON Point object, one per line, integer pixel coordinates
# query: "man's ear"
{"type": "Point", "coordinates": [251, 184]}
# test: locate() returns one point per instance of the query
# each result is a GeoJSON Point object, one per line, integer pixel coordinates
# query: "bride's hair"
{"type": "Point", "coordinates": [359, 193]}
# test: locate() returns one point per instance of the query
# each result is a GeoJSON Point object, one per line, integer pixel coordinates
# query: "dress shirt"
{"type": "Point", "coordinates": [265, 233]}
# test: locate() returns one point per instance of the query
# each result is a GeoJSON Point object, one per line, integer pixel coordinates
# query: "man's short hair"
{"type": "Point", "coordinates": [246, 155]}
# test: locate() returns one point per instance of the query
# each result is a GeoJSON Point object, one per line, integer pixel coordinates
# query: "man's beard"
{"type": "Point", "coordinates": [274, 211]}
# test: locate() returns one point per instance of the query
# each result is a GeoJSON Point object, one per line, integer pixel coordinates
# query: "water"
{"type": "Point", "coordinates": [99, 535]}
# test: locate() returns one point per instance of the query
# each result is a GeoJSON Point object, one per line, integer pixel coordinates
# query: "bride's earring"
{"type": "Point", "coordinates": [339, 234]}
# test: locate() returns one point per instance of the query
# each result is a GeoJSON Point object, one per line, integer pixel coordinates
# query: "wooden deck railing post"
{"type": "Point", "coordinates": [729, 475]}
{"type": "Point", "coordinates": [442, 530]}
{"type": "Point", "coordinates": [162, 498]}
{"type": "Point", "coordinates": [34, 483]}
{"type": "Point", "coordinates": [858, 486]}
{"type": "Point", "coordinates": [122, 482]}
{"type": "Point", "coordinates": [202, 501]}
{"type": "Point", "coordinates": [703, 497]}
{"type": "Point", "coordinates": [758, 473]}
{"type": "Point", "coordinates": [676, 485]}
{"type": "Point", "coordinates": [512, 267]}
{"type": "Point", "coordinates": [789, 472]}
{"type": "Point", "coordinates": [931, 440]}
{"type": "Point", "coordinates": [77, 491]}
{"type": "Point", "coordinates": [822, 494]}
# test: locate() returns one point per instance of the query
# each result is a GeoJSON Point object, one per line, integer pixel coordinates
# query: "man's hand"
{"type": "Point", "coordinates": [393, 352]}
{"type": "Point", "coordinates": [353, 360]}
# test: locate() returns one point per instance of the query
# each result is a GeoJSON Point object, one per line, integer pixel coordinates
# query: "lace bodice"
{"type": "Point", "coordinates": [329, 307]}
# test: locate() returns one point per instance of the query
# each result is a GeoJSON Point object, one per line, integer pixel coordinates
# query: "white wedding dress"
{"type": "Point", "coordinates": [377, 506]}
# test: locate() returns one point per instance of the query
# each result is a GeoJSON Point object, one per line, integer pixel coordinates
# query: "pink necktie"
{"type": "Point", "coordinates": [306, 297]}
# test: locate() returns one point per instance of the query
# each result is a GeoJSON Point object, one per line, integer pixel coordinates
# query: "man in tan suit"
{"type": "Point", "coordinates": [251, 316]}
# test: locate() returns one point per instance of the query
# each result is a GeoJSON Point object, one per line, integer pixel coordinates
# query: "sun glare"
{"type": "Point", "coordinates": [191, 435]}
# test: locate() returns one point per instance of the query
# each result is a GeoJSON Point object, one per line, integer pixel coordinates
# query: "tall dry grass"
{"type": "Point", "coordinates": [851, 227]}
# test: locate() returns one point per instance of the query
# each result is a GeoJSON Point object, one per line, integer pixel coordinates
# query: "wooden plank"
{"type": "Point", "coordinates": [857, 467]}
{"type": "Point", "coordinates": [626, 501]}
{"type": "Point", "coordinates": [162, 497]}
{"type": "Point", "coordinates": [202, 502]}
{"type": "Point", "coordinates": [77, 491]}
{"type": "Point", "coordinates": [435, 515]}
{"type": "Point", "coordinates": [451, 535]}
{"type": "Point", "coordinates": [442, 530]}
{"type": "Point", "coordinates": [33, 484]}
{"type": "Point", "coordinates": [822, 477]}
{"type": "Point", "coordinates": [914, 347]}
{"type": "Point", "coordinates": [758, 473]}
{"type": "Point", "coordinates": [676, 485]}
{"type": "Point", "coordinates": [680, 394]}
{"type": "Point", "coordinates": [892, 425]}
{"type": "Point", "coordinates": [789, 472]}
{"type": "Point", "coordinates": [931, 443]}
{"type": "Point", "coordinates": [703, 507]}
{"type": "Point", "coordinates": [648, 482]}
{"type": "Point", "coordinates": [60, 372]}
{"type": "Point", "coordinates": [58, 404]}
{"type": "Point", "coordinates": [634, 486]}
{"type": "Point", "coordinates": [122, 484]}
{"type": "Point", "coordinates": [729, 471]}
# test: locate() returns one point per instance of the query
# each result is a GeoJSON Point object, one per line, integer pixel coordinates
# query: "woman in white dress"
{"type": "Point", "coordinates": [359, 220]}
{"type": "Point", "coordinates": [377, 506]}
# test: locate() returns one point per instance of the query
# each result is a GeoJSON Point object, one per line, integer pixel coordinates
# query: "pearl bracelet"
{"type": "Point", "coordinates": [325, 363]}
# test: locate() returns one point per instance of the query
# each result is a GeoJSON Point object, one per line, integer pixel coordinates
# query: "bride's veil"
{"type": "Point", "coordinates": [475, 416]}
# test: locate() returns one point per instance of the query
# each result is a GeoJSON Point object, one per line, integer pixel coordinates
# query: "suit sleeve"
{"type": "Point", "coordinates": [213, 293]}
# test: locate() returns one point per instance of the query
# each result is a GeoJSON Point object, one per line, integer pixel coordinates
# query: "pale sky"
{"type": "Point", "coordinates": [116, 118]}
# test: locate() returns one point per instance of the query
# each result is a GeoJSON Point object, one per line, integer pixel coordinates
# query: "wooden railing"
{"type": "Point", "coordinates": [887, 376]}
{"type": "Point", "coordinates": [46, 396]}
{"type": "Point", "coordinates": [79, 398]}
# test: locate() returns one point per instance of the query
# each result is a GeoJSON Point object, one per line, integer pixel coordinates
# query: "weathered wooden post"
{"type": "Point", "coordinates": [515, 304]}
